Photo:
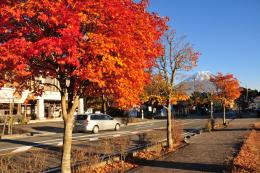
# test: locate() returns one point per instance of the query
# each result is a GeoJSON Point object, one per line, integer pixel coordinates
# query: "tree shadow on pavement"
{"type": "Point", "coordinates": [49, 129]}
{"type": "Point", "coordinates": [142, 140]}
{"type": "Point", "coordinates": [32, 144]}
{"type": "Point", "coordinates": [150, 164]}
{"type": "Point", "coordinates": [233, 129]}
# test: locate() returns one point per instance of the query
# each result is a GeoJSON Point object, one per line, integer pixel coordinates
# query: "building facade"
{"type": "Point", "coordinates": [46, 106]}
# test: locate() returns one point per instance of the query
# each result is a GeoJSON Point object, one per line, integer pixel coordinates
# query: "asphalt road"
{"type": "Point", "coordinates": [55, 139]}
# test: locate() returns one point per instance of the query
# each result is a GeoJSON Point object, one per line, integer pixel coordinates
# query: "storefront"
{"type": "Point", "coordinates": [41, 107]}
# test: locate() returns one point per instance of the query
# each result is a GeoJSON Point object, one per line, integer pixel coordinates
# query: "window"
{"type": "Point", "coordinates": [107, 117]}
{"type": "Point", "coordinates": [95, 117]}
{"type": "Point", "coordinates": [81, 117]}
{"type": "Point", "coordinates": [103, 117]}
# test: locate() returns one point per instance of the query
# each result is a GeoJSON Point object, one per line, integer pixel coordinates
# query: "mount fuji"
{"type": "Point", "coordinates": [199, 82]}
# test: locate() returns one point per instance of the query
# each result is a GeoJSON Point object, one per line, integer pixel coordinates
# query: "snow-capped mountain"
{"type": "Point", "coordinates": [200, 76]}
{"type": "Point", "coordinates": [199, 81]}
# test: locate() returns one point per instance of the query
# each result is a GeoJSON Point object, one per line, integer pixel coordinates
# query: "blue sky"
{"type": "Point", "coordinates": [226, 32]}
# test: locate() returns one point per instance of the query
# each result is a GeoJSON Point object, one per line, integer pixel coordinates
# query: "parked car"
{"type": "Point", "coordinates": [94, 123]}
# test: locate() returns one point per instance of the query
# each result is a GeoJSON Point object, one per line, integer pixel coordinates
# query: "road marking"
{"type": "Point", "coordinates": [93, 139]}
{"type": "Point", "coordinates": [144, 125]}
{"type": "Point", "coordinates": [21, 149]}
{"type": "Point", "coordinates": [117, 135]}
{"type": "Point", "coordinates": [60, 144]}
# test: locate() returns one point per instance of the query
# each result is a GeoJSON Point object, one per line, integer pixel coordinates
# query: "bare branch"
{"type": "Point", "coordinates": [50, 84]}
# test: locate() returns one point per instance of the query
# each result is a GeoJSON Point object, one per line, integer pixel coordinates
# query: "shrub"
{"type": "Point", "coordinates": [35, 162]}
{"type": "Point", "coordinates": [122, 145]}
{"type": "Point", "coordinates": [108, 147]}
{"type": "Point", "coordinates": [218, 123]}
{"type": "Point", "coordinates": [89, 166]}
{"type": "Point", "coordinates": [22, 120]}
{"type": "Point", "coordinates": [210, 125]}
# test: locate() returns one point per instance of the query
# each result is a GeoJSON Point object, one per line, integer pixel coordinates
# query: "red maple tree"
{"type": "Point", "coordinates": [84, 45]}
{"type": "Point", "coordinates": [228, 90]}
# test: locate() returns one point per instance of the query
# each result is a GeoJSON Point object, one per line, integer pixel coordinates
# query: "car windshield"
{"type": "Point", "coordinates": [81, 117]}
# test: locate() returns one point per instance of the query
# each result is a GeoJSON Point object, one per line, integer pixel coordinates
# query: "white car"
{"type": "Point", "coordinates": [95, 122]}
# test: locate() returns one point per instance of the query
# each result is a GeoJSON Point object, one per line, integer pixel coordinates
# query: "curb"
{"type": "Point", "coordinates": [144, 122]}
{"type": "Point", "coordinates": [16, 136]}
{"type": "Point", "coordinates": [38, 121]}
{"type": "Point", "coordinates": [29, 134]}
{"type": "Point", "coordinates": [45, 121]}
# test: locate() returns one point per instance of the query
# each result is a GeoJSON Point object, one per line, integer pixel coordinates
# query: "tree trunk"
{"type": "Point", "coordinates": [19, 109]}
{"type": "Point", "coordinates": [224, 115]}
{"type": "Point", "coordinates": [68, 127]}
{"type": "Point", "coordinates": [169, 126]}
{"type": "Point", "coordinates": [3, 132]}
{"type": "Point", "coordinates": [10, 123]}
{"type": "Point", "coordinates": [104, 104]}
{"type": "Point", "coordinates": [67, 141]}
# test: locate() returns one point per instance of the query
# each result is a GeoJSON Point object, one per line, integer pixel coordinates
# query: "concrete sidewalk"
{"type": "Point", "coordinates": [208, 152]}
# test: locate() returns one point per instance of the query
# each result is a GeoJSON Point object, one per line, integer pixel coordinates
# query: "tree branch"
{"type": "Point", "coordinates": [50, 84]}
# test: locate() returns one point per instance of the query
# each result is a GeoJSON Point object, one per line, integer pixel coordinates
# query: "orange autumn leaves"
{"type": "Point", "coordinates": [227, 88]}
{"type": "Point", "coordinates": [106, 43]}
{"type": "Point", "coordinates": [178, 96]}
{"type": "Point", "coordinates": [248, 158]}
{"type": "Point", "coordinates": [157, 93]}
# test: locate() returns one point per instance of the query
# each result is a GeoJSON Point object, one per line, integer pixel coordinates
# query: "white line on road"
{"type": "Point", "coordinates": [21, 149]}
{"type": "Point", "coordinates": [117, 135]}
{"type": "Point", "coordinates": [93, 139]}
{"type": "Point", "coordinates": [60, 144]}
{"type": "Point", "coordinates": [140, 126]}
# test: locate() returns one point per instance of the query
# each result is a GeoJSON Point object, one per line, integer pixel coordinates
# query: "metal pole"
{"type": "Point", "coordinates": [211, 110]}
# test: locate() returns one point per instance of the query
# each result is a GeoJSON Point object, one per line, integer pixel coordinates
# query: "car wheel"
{"type": "Point", "coordinates": [117, 127]}
{"type": "Point", "coordinates": [95, 129]}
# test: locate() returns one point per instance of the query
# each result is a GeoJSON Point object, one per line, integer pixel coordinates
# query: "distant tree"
{"type": "Point", "coordinates": [179, 56]}
{"type": "Point", "coordinates": [247, 96]}
{"type": "Point", "coordinates": [199, 99]}
{"type": "Point", "coordinates": [227, 90]}
{"type": "Point", "coordinates": [155, 92]}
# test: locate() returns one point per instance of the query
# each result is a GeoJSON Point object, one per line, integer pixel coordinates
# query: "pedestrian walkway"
{"type": "Point", "coordinates": [208, 152]}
